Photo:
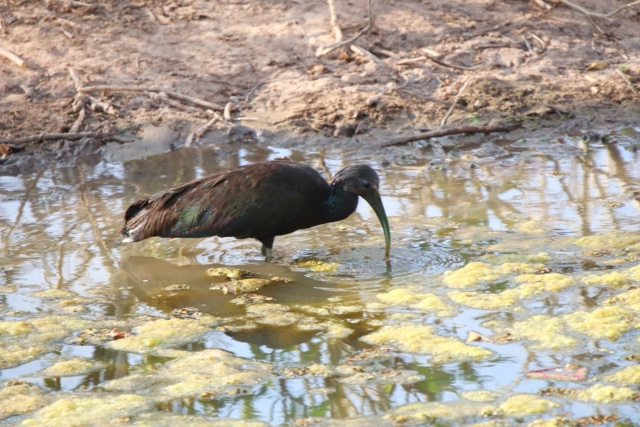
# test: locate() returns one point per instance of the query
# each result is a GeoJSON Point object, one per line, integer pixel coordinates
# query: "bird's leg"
{"type": "Point", "coordinates": [267, 244]}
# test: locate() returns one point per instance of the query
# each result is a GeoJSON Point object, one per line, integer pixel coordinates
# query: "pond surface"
{"type": "Point", "coordinates": [533, 246]}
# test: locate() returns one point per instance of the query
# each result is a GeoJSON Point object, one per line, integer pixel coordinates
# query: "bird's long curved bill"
{"type": "Point", "coordinates": [376, 203]}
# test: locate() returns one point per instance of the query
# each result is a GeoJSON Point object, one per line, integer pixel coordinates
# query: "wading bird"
{"type": "Point", "coordinates": [261, 201]}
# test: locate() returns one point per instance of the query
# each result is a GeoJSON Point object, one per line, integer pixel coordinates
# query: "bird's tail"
{"type": "Point", "coordinates": [135, 220]}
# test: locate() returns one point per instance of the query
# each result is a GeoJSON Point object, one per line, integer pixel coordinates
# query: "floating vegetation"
{"type": "Point", "coordinates": [71, 367]}
{"type": "Point", "coordinates": [228, 273]}
{"type": "Point", "coordinates": [164, 333]}
{"type": "Point", "coordinates": [423, 340]}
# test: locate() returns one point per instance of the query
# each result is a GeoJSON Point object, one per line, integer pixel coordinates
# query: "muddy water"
{"type": "Point", "coordinates": [66, 281]}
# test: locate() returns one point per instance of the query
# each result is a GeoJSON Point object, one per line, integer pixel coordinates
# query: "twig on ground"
{"type": "Point", "coordinates": [171, 94]}
{"type": "Point", "coordinates": [13, 58]}
{"type": "Point", "coordinates": [76, 125]}
{"type": "Point", "coordinates": [598, 15]}
{"type": "Point", "coordinates": [447, 64]}
{"type": "Point", "coordinates": [541, 42]}
{"type": "Point", "coordinates": [455, 101]}
{"type": "Point", "coordinates": [197, 133]}
{"type": "Point", "coordinates": [75, 78]}
{"type": "Point", "coordinates": [227, 111]}
{"type": "Point", "coordinates": [364, 52]}
{"type": "Point", "coordinates": [543, 5]}
{"type": "Point", "coordinates": [253, 119]}
{"type": "Point", "coordinates": [627, 81]}
{"type": "Point", "coordinates": [514, 45]}
{"type": "Point", "coordinates": [451, 131]}
{"type": "Point", "coordinates": [323, 50]}
{"type": "Point", "coordinates": [57, 136]}
{"type": "Point", "coordinates": [411, 60]}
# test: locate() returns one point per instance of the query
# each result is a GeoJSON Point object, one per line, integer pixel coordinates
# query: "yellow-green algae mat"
{"type": "Point", "coordinates": [530, 298]}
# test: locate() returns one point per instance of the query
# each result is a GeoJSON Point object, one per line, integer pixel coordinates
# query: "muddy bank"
{"type": "Point", "coordinates": [183, 62]}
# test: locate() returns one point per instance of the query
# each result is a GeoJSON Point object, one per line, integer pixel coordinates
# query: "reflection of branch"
{"type": "Point", "coordinates": [21, 209]}
{"type": "Point", "coordinates": [60, 244]}
{"type": "Point", "coordinates": [94, 224]}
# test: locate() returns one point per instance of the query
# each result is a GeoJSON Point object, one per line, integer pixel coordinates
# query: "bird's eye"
{"type": "Point", "coordinates": [366, 184]}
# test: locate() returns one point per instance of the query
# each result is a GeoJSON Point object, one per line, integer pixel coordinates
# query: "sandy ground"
{"type": "Point", "coordinates": [553, 68]}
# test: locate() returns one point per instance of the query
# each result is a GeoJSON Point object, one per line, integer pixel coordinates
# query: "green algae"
{"type": "Point", "coordinates": [228, 273]}
{"type": "Point", "coordinates": [208, 371]}
{"type": "Point", "coordinates": [71, 367]}
{"type": "Point", "coordinates": [548, 332]}
{"type": "Point", "coordinates": [525, 404]}
{"type": "Point", "coordinates": [484, 301]}
{"type": "Point", "coordinates": [164, 333]}
{"type": "Point", "coordinates": [19, 397]}
{"type": "Point", "coordinates": [419, 301]}
{"type": "Point", "coordinates": [432, 411]}
{"type": "Point", "coordinates": [420, 339]}
{"type": "Point", "coordinates": [273, 314]}
{"type": "Point", "coordinates": [163, 419]}
{"type": "Point", "coordinates": [87, 410]}
{"type": "Point", "coordinates": [628, 375]}
{"type": "Point", "coordinates": [602, 323]}
{"type": "Point", "coordinates": [530, 285]}
{"type": "Point", "coordinates": [23, 341]}
{"type": "Point", "coordinates": [600, 393]}
{"type": "Point", "coordinates": [471, 275]}
{"type": "Point", "coordinates": [318, 266]}
{"type": "Point", "coordinates": [241, 286]}
{"type": "Point", "coordinates": [629, 300]}
{"type": "Point", "coordinates": [54, 294]}
{"type": "Point", "coordinates": [479, 395]}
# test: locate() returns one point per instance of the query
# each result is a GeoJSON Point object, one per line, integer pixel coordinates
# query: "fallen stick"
{"type": "Point", "coordinates": [197, 133]}
{"type": "Point", "coordinates": [76, 125]}
{"type": "Point", "coordinates": [451, 131]}
{"type": "Point", "coordinates": [447, 64]}
{"type": "Point", "coordinates": [627, 81]}
{"type": "Point", "coordinates": [171, 94]}
{"type": "Point", "coordinates": [323, 50]}
{"type": "Point", "coordinates": [598, 15]}
{"type": "Point", "coordinates": [57, 136]}
{"type": "Point", "coordinates": [364, 52]}
{"type": "Point", "coordinates": [455, 101]}
{"type": "Point", "coordinates": [13, 58]}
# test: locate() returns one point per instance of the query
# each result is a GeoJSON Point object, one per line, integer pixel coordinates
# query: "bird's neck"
{"type": "Point", "coordinates": [340, 203]}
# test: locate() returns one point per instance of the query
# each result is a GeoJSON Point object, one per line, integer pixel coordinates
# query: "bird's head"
{"type": "Point", "coordinates": [364, 181]}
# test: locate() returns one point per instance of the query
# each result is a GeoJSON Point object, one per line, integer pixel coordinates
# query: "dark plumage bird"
{"type": "Point", "coordinates": [261, 201]}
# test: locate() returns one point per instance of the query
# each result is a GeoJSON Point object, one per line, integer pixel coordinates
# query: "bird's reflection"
{"type": "Point", "coordinates": [150, 277]}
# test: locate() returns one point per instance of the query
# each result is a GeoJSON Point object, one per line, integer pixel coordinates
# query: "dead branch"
{"type": "Point", "coordinates": [57, 136]}
{"type": "Point", "coordinates": [13, 58]}
{"type": "Point", "coordinates": [598, 15]}
{"type": "Point", "coordinates": [323, 50]}
{"type": "Point", "coordinates": [364, 52]}
{"type": "Point", "coordinates": [171, 94]}
{"type": "Point", "coordinates": [627, 81]}
{"type": "Point", "coordinates": [76, 125]}
{"type": "Point", "coordinates": [543, 5]}
{"type": "Point", "coordinates": [447, 64]}
{"type": "Point", "coordinates": [451, 131]}
{"type": "Point", "coordinates": [197, 133]}
{"type": "Point", "coordinates": [455, 101]}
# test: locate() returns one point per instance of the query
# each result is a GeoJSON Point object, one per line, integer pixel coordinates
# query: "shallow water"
{"type": "Point", "coordinates": [60, 232]}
